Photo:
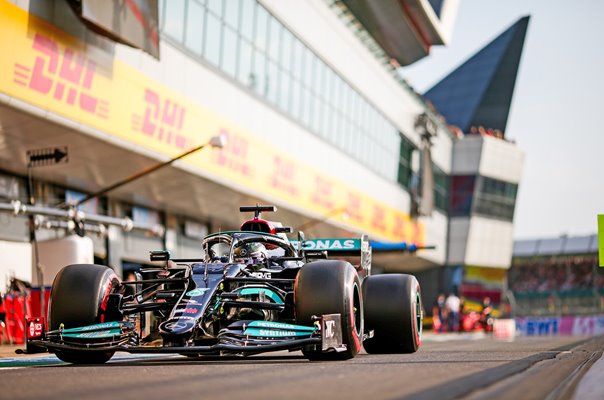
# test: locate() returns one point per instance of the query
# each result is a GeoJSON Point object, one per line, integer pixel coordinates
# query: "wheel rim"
{"type": "Point", "coordinates": [418, 314]}
{"type": "Point", "coordinates": [356, 309]}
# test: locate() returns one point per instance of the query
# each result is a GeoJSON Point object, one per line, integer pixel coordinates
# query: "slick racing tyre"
{"type": "Point", "coordinates": [393, 310]}
{"type": "Point", "coordinates": [331, 287]}
{"type": "Point", "coordinates": [79, 298]}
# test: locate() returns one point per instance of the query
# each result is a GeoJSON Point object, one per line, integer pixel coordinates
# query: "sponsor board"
{"type": "Point", "coordinates": [590, 325]}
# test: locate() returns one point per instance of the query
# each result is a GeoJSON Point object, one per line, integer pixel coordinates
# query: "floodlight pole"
{"type": "Point", "coordinates": [215, 141]}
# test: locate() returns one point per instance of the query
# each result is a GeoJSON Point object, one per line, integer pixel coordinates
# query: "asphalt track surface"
{"type": "Point", "coordinates": [446, 367]}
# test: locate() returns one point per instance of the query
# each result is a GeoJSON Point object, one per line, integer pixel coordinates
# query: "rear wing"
{"type": "Point", "coordinates": [342, 247]}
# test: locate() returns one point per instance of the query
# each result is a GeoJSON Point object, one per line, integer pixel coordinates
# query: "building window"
{"type": "Point", "coordinates": [462, 194]}
{"type": "Point", "coordinates": [404, 163]}
{"type": "Point", "coordinates": [495, 198]}
{"type": "Point", "coordinates": [251, 46]}
{"type": "Point", "coordinates": [441, 189]}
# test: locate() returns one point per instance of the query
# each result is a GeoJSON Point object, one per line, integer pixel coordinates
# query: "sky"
{"type": "Point", "coordinates": [557, 109]}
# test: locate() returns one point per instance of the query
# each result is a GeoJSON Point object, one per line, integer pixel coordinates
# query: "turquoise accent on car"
{"type": "Point", "coordinates": [280, 325]}
{"type": "Point", "coordinates": [274, 333]}
{"type": "Point", "coordinates": [108, 333]}
{"type": "Point", "coordinates": [277, 330]}
{"type": "Point", "coordinates": [95, 327]}
{"type": "Point", "coordinates": [267, 292]}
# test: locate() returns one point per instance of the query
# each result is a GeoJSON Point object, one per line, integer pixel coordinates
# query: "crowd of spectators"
{"type": "Point", "coordinates": [556, 275]}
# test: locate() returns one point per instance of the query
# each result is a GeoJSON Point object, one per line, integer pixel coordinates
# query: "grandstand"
{"type": "Point", "coordinates": [556, 277]}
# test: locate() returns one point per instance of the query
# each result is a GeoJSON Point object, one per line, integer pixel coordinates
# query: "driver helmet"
{"type": "Point", "coordinates": [218, 251]}
{"type": "Point", "coordinates": [256, 252]}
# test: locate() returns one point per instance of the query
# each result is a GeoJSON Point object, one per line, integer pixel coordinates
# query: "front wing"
{"type": "Point", "coordinates": [257, 337]}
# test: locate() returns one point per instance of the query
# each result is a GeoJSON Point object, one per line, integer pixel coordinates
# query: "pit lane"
{"type": "Point", "coordinates": [446, 367]}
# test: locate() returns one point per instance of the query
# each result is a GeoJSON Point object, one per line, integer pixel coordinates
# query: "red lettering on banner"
{"type": "Point", "coordinates": [234, 155]}
{"type": "Point", "coordinates": [322, 194]}
{"type": "Point", "coordinates": [163, 120]}
{"type": "Point", "coordinates": [416, 234]}
{"type": "Point", "coordinates": [378, 219]}
{"type": "Point", "coordinates": [398, 230]}
{"type": "Point", "coordinates": [353, 207]}
{"type": "Point", "coordinates": [284, 175]}
{"type": "Point", "coordinates": [70, 74]}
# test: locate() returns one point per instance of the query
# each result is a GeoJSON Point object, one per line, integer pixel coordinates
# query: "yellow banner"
{"type": "Point", "coordinates": [45, 66]}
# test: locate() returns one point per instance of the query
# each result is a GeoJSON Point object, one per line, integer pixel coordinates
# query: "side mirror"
{"type": "Point", "coordinates": [159, 255]}
{"type": "Point", "coordinates": [301, 240]}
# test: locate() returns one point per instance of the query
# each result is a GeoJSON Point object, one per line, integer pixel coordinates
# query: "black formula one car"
{"type": "Point", "coordinates": [252, 291]}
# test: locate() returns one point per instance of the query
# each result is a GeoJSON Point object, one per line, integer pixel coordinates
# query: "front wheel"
{"type": "Point", "coordinates": [331, 287]}
{"type": "Point", "coordinates": [393, 310]}
{"type": "Point", "coordinates": [79, 298]}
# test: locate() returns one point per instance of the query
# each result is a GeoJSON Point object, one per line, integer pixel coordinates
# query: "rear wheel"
{"type": "Point", "coordinates": [331, 287]}
{"type": "Point", "coordinates": [393, 310]}
{"type": "Point", "coordinates": [79, 298]}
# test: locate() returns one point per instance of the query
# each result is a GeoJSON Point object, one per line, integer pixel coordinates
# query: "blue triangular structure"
{"type": "Point", "coordinates": [479, 92]}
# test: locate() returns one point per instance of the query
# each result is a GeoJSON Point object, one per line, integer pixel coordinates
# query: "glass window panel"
{"type": "Point", "coordinates": [244, 70]}
{"type": "Point", "coordinates": [309, 67]}
{"type": "Point", "coordinates": [248, 8]}
{"type": "Point", "coordinates": [363, 143]}
{"type": "Point", "coordinates": [295, 99]}
{"type": "Point", "coordinates": [324, 74]}
{"type": "Point", "coordinates": [274, 39]}
{"type": "Point", "coordinates": [337, 93]}
{"type": "Point", "coordinates": [162, 13]}
{"type": "Point", "coordinates": [261, 28]}
{"type": "Point", "coordinates": [381, 127]}
{"type": "Point", "coordinates": [297, 59]}
{"type": "Point", "coordinates": [317, 111]}
{"type": "Point", "coordinates": [260, 73]}
{"type": "Point", "coordinates": [348, 101]}
{"type": "Point", "coordinates": [336, 119]}
{"type": "Point", "coordinates": [273, 82]}
{"type": "Point", "coordinates": [231, 13]}
{"type": "Point", "coordinates": [349, 137]}
{"type": "Point", "coordinates": [364, 115]}
{"type": "Point", "coordinates": [174, 19]}
{"type": "Point", "coordinates": [326, 123]}
{"type": "Point", "coordinates": [356, 140]}
{"type": "Point", "coordinates": [213, 39]}
{"type": "Point", "coordinates": [307, 107]}
{"type": "Point", "coordinates": [194, 28]}
{"type": "Point", "coordinates": [372, 126]}
{"type": "Point", "coordinates": [328, 85]}
{"type": "Point", "coordinates": [319, 72]}
{"type": "Point", "coordinates": [214, 6]}
{"type": "Point", "coordinates": [229, 52]}
{"type": "Point", "coordinates": [287, 41]}
{"type": "Point", "coordinates": [355, 117]}
{"type": "Point", "coordinates": [284, 91]}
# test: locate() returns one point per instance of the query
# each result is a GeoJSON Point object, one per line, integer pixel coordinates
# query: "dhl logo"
{"type": "Point", "coordinates": [234, 156]}
{"type": "Point", "coordinates": [322, 195]}
{"type": "Point", "coordinates": [67, 75]}
{"type": "Point", "coordinates": [162, 119]}
{"type": "Point", "coordinates": [353, 207]}
{"type": "Point", "coordinates": [378, 220]}
{"type": "Point", "coordinates": [284, 176]}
